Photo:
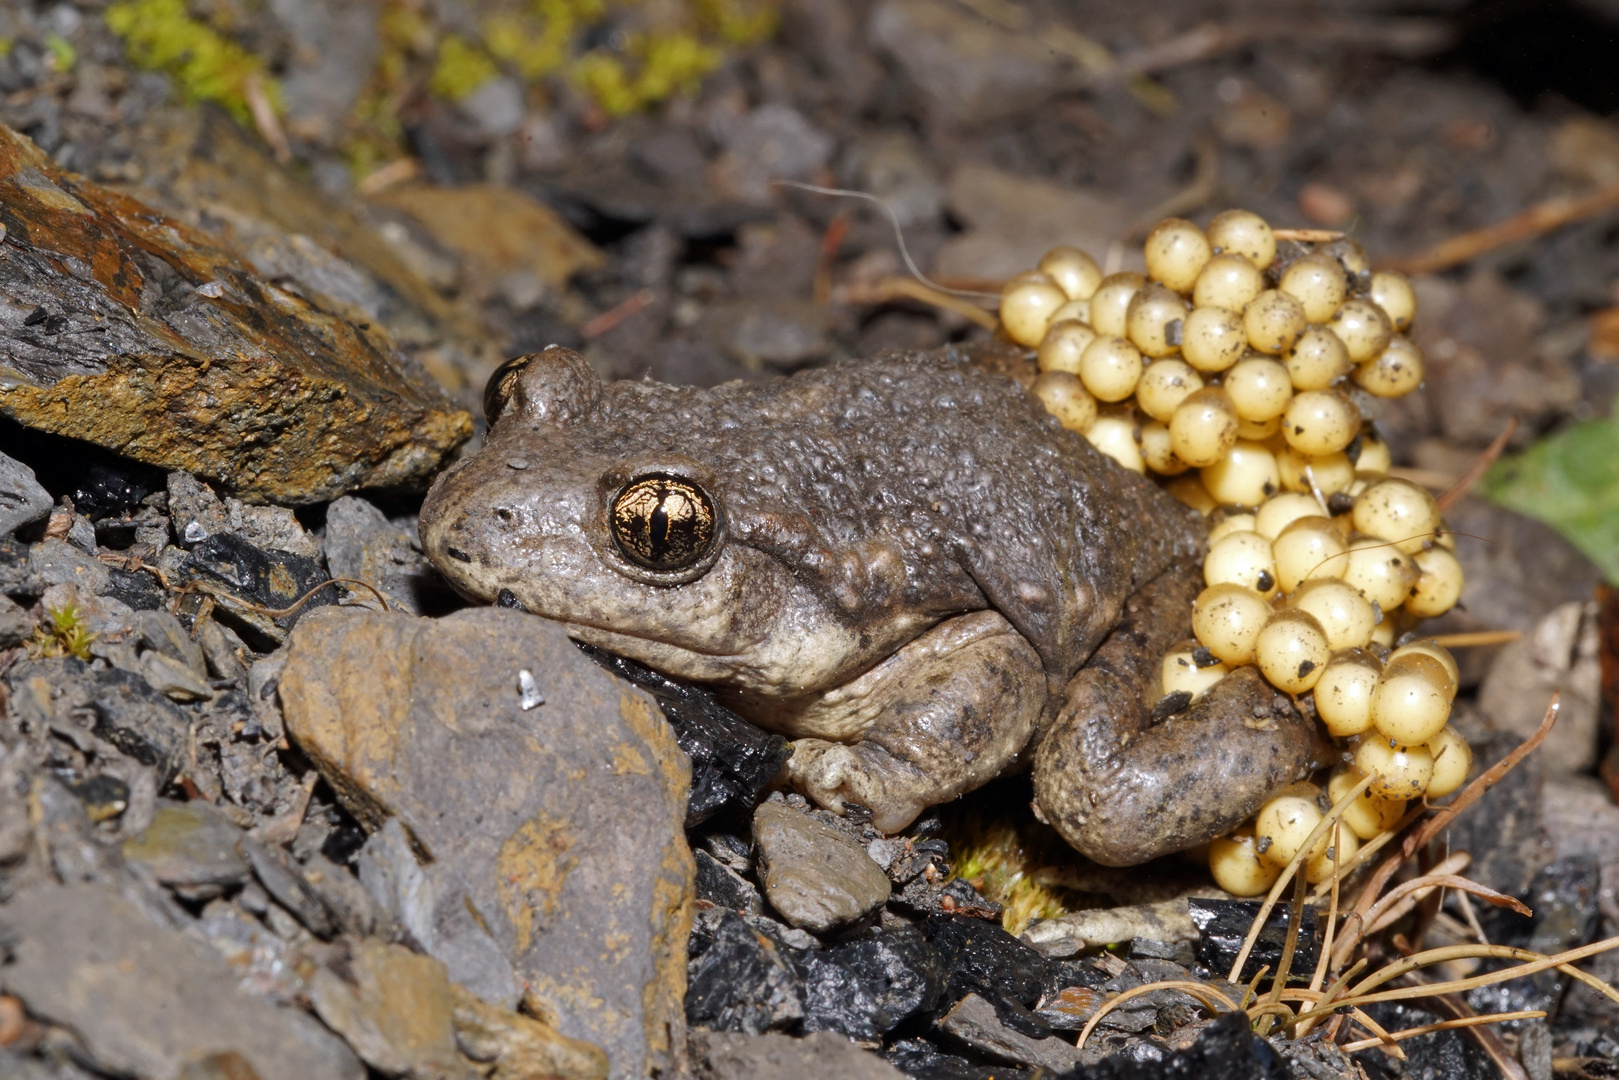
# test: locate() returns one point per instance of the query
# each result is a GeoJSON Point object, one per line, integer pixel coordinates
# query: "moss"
{"type": "Point", "coordinates": [461, 68]}
{"type": "Point", "coordinates": [64, 635]}
{"type": "Point", "coordinates": [63, 55]}
{"type": "Point", "coordinates": [161, 35]}
{"type": "Point", "coordinates": [668, 64]}
{"type": "Point", "coordinates": [739, 22]}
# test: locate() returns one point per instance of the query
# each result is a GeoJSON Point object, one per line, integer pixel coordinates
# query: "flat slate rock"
{"type": "Point", "coordinates": [557, 825]}
{"type": "Point", "coordinates": [147, 1000]}
{"type": "Point", "coordinates": [815, 876]}
{"type": "Point", "coordinates": [126, 329]}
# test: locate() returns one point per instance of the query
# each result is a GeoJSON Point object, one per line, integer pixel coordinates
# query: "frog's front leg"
{"type": "Point", "coordinates": [944, 715]}
{"type": "Point", "coordinates": [1123, 789]}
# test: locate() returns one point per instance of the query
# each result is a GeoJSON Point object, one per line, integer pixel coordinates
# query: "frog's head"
{"type": "Point", "coordinates": [634, 545]}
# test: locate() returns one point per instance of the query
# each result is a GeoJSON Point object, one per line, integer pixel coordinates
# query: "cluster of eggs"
{"type": "Point", "coordinates": [1238, 373]}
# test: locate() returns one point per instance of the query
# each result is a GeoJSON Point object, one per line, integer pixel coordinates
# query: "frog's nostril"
{"type": "Point", "coordinates": [506, 516]}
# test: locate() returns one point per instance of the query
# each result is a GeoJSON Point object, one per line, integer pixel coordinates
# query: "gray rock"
{"type": "Point", "coordinates": [173, 679]}
{"type": "Point", "coordinates": [814, 875]}
{"type": "Point", "coordinates": [52, 562]}
{"type": "Point", "coordinates": [771, 142]}
{"type": "Point", "coordinates": [496, 107]}
{"type": "Point", "coordinates": [1581, 819]}
{"type": "Point", "coordinates": [780, 333]}
{"type": "Point", "coordinates": [190, 846]}
{"type": "Point", "coordinates": [894, 166]}
{"type": "Point", "coordinates": [146, 999]}
{"type": "Point", "coordinates": [362, 543]}
{"type": "Point", "coordinates": [1559, 655]}
{"type": "Point", "coordinates": [974, 1022]}
{"type": "Point", "coordinates": [195, 512]}
{"type": "Point", "coordinates": [394, 1008]}
{"type": "Point", "coordinates": [15, 624]}
{"type": "Point", "coordinates": [22, 499]}
{"type": "Point", "coordinates": [558, 827]}
{"type": "Point", "coordinates": [334, 45]}
{"type": "Point", "coordinates": [273, 527]}
{"type": "Point", "coordinates": [719, 1055]}
{"type": "Point", "coordinates": [974, 69]}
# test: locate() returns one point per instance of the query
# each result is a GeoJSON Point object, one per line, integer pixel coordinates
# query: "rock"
{"type": "Point", "coordinates": [334, 46]}
{"type": "Point", "coordinates": [731, 1056]}
{"type": "Point", "coordinates": [1444, 1055]}
{"type": "Point", "coordinates": [394, 1008]}
{"type": "Point", "coordinates": [282, 881]}
{"type": "Point", "coordinates": [732, 761]}
{"type": "Point", "coordinates": [197, 513]}
{"type": "Point", "coordinates": [362, 543]}
{"type": "Point", "coordinates": [262, 576]}
{"type": "Point", "coordinates": [53, 562]}
{"type": "Point", "coordinates": [390, 874]}
{"type": "Point", "coordinates": [498, 231]}
{"type": "Point", "coordinates": [519, 1046]}
{"type": "Point", "coordinates": [173, 679]}
{"type": "Point", "coordinates": [816, 876]}
{"type": "Point", "coordinates": [1513, 582]}
{"type": "Point", "coordinates": [780, 333]}
{"type": "Point", "coordinates": [1225, 1050]}
{"type": "Point", "coordinates": [191, 847]}
{"type": "Point", "coordinates": [254, 952]}
{"type": "Point", "coordinates": [975, 70]}
{"type": "Point", "coordinates": [1166, 921]}
{"type": "Point", "coordinates": [974, 1022]}
{"type": "Point", "coordinates": [557, 827]}
{"type": "Point", "coordinates": [1507, 830]}
{"type": "Point", "coordinates": [1564, 898]}
{"type": "Point", "coordinates": [161, 632]}
{"type": "Point", "coordinates": [719, 884]}
{"type": "Point", "coordinates": [170, 351]}
{"type": "Point", "coordinates": [15, 624]}
{"type": "Point", "coordinates": [1012, 220]}
{"type": "Point", "coordinates": [894, 166]}
{"type": "Point", "coordinates": [773, 141]}
{"type": "Point", "coordinates": [867, 987]}
{"type": "Point", "coordinates": [1223, 925]}
{"type": "Point", "coordinates": [740, 978]}
{"type": "Point", "coordinates": [496, 107]}
{"type": "Point", "coordinates": [1580, 819]}
{"type": "Point", "coordinates": [22, 499]}
{"type": "Point", "coordinates": [1560, 655]}
{"type": "Point", "coordinates": [981, 958]}
{"type": "Point", "coordinates": [117, 706]}
{"type": "Point", "coordinates": [146, 999]}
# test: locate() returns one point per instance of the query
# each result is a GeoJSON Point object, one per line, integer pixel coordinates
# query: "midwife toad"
{"type": "Point", "coordinates": [903, 564]}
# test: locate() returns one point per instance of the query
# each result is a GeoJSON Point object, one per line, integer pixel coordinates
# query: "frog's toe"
{"type": "Point", "coordinates": [838, 776]}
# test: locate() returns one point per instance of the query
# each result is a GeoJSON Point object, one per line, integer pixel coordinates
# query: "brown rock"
{"type": "Point", "coordinates": [158, 345]}
{"type": "Point", "coordinates": [393, 1009]}
{"type": "Point", "coordinates": [500, 231]}
{"type": "Point", "coordinates": [557, 826]}
{"type": "Point", "coordinates": [520, 1047]}
{"type": "Point", "coordinates": [814, 875]}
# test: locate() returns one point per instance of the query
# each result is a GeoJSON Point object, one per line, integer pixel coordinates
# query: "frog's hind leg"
{"type": "Point", "coordinates": [1123, 789]}
{"type": "Point", "coordinates": [948, 713]}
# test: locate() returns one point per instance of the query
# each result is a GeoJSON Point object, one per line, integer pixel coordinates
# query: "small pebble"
{"type": "Point", "coordinates": [530, 693]}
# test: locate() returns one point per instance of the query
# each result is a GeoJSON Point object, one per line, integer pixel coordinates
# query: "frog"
{"type": "Point", "coordinates": [901, 563]}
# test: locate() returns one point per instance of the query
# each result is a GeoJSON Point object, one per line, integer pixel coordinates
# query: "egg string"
{"type": "Point", "coordinates": [899, 235]}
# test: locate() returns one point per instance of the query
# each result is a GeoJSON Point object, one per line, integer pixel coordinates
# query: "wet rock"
{"type": "Point", "coordinates": [1012, 220]}
{"type": "Point", "coordinates": [978, 957]}
{"type": "Point", "coordinates": [1443, 1055]}
{"type": "Point", "coordinates": [394, 1008]}
{"type": "Point", "coordinates": [1223, 926]}
{"type": "Point", "coordinates": [719, 884]}
{"type": "Point", "coordinates": [740, 978]}
{"type": "Point", "coordinates": [498, 231]}
{"type": "Point", "coordinates": [292, 404]}
{"type": "Point", "coordinates": [973, 1021]}
{"type": "Point", "coordinates": [732, 1056]}
{"type": "Point", "coordinates": [191, 847]}
{"type": "Point", "coordinates": [1225, 1050]}
{"type": "Point", "coordinates": [1564, 898]}
{"type": "Point", "coordinates": [1559, 655]}
{"type": "Point", "coordinates": [146, 999]}
{"type": "Point", "coordinates": [22, 499]}
{"type": "Point", "coordinates": [520, 1047]}
{"type": "Point", "coordinates": [556, 827]}
{"type": "Point", "coordinates": [816, 876]}
{"type": "Point", "coordinates": [867, 987]}
{"type": "Point", "coordinates": [975, 69]}
{"type": "Point", "coordinates": [732, 761]}
{"type": "Point", "coordinates": [1505, 830]}
{"type": "Point", "coordinates": [362, 543]}
{"type": "Point", "coordinates": [933, 894]}
{"type": "Point", "coordinates": [265, 577]}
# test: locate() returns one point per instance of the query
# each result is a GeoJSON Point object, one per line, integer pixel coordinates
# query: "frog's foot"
{"type": "Point", "coordinates": [949, 712]}
{"type": "Point", "coordinates": [1122, 789]}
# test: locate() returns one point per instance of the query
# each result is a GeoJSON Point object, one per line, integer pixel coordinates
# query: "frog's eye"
{"type": "Point", "coordinates": [664, 522]}
{"type": "Point", "coordinates": [498, 390]}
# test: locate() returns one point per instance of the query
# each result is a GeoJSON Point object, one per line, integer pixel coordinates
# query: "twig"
{"type": "Point", "coordinates": [1536, 221]}
{"type": "Point", "coordinates": [399, 171]}
{"type": "Point", "coordinates": [1402, 899]}
{"type": "Point", "coordinates": [1477, 637]}
{"type": "Point", "coordinates": [1480, 466]}
{"type": "Point", "coordinates": [1444, 1025]}
{"type": "Point", "coordinates": [1203, 992]}
{"type": "Point", "coordinates": [896, 288]}
{"type": "Point", "coordinates": [1308, 236]}
{"type": "Point", "coordinates": [616, 314]}
{"type": "Point", "coordinates": [265, 119]}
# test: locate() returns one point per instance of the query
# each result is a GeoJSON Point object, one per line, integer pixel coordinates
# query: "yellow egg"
{"type": "Point", "coordinates": [1369, 814]}
{"type": "Point", "coordinates": [1452, 761]}
{"type": "Point", "coordinates": [1399, 772]}
{"type": "Point", "coordinates": [1227, 620]}
{"type": "Point", "coordinates": [1026, 308]}
{"type": "Point", "coordinates": [1075, 272]}
{"type": "Point", "coordinates": [1237, 867]}
{"type": "Point", "coordinates": [1243, 233]}
{"type": "Point", "coordinates": [1065, 398]}
{"type": "Point", "coordinates": [1065, 342]}
{"type": "Point", "coordinates": [1175, 251]}
{"type": "Point", "coordinates": [1111, 300]}
{"type": "Point", "coordinates": [1343, 696]}
{"type": "Point", "coordinates": [1292, 650]}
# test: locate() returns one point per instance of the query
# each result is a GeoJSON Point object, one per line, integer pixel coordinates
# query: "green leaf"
{"type": "Point", "coordinates": [1571, 482]}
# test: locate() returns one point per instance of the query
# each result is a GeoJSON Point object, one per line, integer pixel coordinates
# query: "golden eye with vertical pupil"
{"type": "Point", "coordinates": [663, 522]}
{"type": "Point", "coordinates": [498, 390]}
